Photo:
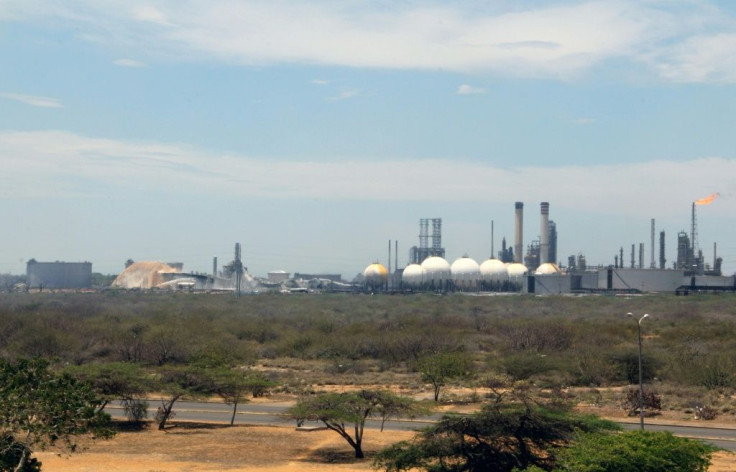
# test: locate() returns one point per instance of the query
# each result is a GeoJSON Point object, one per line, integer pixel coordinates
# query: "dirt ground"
{"type": "Point", "coordinates": [193, 447]}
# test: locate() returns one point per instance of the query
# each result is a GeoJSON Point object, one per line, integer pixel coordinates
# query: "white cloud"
{"type": "Point", "coordinates": [466, 89]}
{"type": "Point", "coordinates": [707, 58]}
{"type": "Point", "coordinates": [561, 39]}
{"type": "Point", "coordinates": [33, 100]}
{"type": "Point", "coordinates": [128, 63]}
{"type": "Point", "coordinates": [320, 82]}
{"type": "Point", "coordinates": [346, 93]}
{"type": "Point", "coordinates": [55, 162]}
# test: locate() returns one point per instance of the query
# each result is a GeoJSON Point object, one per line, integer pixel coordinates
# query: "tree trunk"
{"type": "Point", "coordinates": [22, 462]}
{"type": "Point", "coordinates": [235, 408]}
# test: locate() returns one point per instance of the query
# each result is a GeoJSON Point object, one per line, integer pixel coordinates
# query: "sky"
{"type": "Point", "coordinates": [313, 132]}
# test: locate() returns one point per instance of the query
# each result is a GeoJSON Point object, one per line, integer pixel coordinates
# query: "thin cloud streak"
{"type": "Point", "coordinates": [560, 40]}
{"type": "Point", "coordinates": [466, 89]}
{"type": "Point", "coordinates": [129, 63]}
{"type": "Point", "coordinates": [55, 161]}
{"type": "Point", "coordinates": [33, 100]}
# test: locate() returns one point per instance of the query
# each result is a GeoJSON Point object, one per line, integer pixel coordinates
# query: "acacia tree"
{"type": "Point", "coordinates": [442, 367]}
{"type": "Point", "coordinates": [39, 408]}
{"type": "Point", "coordinates": [113, 381]}
{"type": "Point", "coordinates": [502, 437]}
{"type": "Point", "coordinates": [343, 412]}
{"type": "Point", "coordinates": [232, 386]}
{"type": "Point", "coordinates": [175, 383]}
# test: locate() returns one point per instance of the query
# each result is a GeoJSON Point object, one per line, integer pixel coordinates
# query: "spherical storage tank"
{"type": "Point", "coordinates": [465, 273]}
{"type": "Point", "coordinates": [516, 270]}
{"type": "Point", "coordinates": [375, 275]}
{"type": "Point", "coordinates": [493, 270]}
{"type": "Point", "coordinates": [413, 276]}
{"type": "Point", "coordinates": [547, 268]}
{"type": "Point", "coordinates": [436, 270]}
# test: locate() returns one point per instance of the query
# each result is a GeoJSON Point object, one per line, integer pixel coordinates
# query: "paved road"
{"type": "Point", "coordinates": [273, 414]}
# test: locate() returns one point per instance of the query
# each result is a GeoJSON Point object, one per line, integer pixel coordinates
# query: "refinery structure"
{"type": "Point", "coordinates": [533, 268]}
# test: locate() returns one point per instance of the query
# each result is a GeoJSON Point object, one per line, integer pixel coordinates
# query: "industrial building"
{"type": "Point", "coordinates": [58, 275]}
{"type": "Point", "coordinates": [540, 274]}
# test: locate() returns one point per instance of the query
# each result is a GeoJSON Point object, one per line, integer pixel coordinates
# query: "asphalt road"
{"type": "Point", "coordinates": [274, 414]}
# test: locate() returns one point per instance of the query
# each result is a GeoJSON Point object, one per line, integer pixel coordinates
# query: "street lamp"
{"type": "Point", "coordinates": [641, 384]}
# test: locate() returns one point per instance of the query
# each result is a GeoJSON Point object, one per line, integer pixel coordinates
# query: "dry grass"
{"type": "Point", "coordinates": [195, 447]}
{"type": "Point", "coordinates": [204, 448]}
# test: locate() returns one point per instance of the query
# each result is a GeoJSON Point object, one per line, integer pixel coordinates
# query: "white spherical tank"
{"type": "Point", "coordinates": [516, 270]}
{"type": "Point", "coordinates": [547, 268]}
{"type": "Point", "coordinates": [465, 273]}
{"type": "Point", "coordinates": [413, 276]}
{"type": "Point", "coordinates": [436, 270]}
{"type": "Point", "coordinates": [375, 275]}
{"type": "Point", "coordinates": [493, 270]}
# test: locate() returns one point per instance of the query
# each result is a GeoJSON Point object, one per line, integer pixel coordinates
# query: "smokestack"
{"type": "Point", "coordinates": [519, 232]}
{"type": "Point", "coordinates": [653, 265]}
{"type": "Point", "coordinates": [388, 279]}
{"type": "Point", "coordinates": [544, 234]}
{"type": "Point", "coordinates": [214, 267]}
{"type": "Point", "coordinates": [621, 257]}
{"type": "Point", "coordinates": [633, 256]}
{"type": "Point", "coordinates": [641, 255]}
{"type": "Point", "coordinates": [662, 260]}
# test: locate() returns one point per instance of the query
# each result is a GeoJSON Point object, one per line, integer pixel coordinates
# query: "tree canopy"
{"type": "Point", "coordinates": [342, 412]}
{"type": "Point", "coordinates": [39, 408]}
{"type": "Point", "coordinates": [635, 451]}
{"type": "Point", "coordinates": [500, 438]}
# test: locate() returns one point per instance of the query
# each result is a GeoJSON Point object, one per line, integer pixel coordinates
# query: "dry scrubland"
{"type": "Point", "coordinates": [585, 346]}
{"type": "Point", "coordinates": [207, 448]}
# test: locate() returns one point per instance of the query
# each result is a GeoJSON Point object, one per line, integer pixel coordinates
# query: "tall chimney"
{"type": "Point", "coordinates": [641, 255]}
{"type": "Point", "coordinates": [633, 256]}
{"type": "Point", "coordinates": [544, 234]}
{"type": "Point", "coordinates": [662, 260]}
{"type": "Point", "coordinates": [214, 267]}
{"type": "Point", "coordinates": [519, 233]}
{"type": "Point", "coordinates": [653, 265]}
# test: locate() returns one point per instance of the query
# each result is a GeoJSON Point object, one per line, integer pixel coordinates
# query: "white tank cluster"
{"type": "Point", "coordinates": [465, 274]}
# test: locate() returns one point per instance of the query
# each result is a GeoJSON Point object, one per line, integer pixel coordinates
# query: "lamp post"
{"type": "Point", "coordinates": [641, 382]}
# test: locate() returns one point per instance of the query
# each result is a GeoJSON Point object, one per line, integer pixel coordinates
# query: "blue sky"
{"type": "Point", "coordinates": [314, 132]}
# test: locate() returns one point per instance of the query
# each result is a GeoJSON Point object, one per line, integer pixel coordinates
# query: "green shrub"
{"type": "Point", "coordinates": [635, 451]}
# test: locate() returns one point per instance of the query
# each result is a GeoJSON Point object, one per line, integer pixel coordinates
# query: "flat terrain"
{"type": "Point", "coordinates": [207, 448]}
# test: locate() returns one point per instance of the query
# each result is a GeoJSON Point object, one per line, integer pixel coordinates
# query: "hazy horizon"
{"type": "Point", "coordinates": [312, 132]}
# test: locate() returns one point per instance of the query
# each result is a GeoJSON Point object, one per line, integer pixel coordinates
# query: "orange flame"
{"type": "Point", "coordinates": [707, 200]}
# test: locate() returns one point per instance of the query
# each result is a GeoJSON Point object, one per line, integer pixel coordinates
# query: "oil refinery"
{"type": "Point", "coordinates": [533, 268]}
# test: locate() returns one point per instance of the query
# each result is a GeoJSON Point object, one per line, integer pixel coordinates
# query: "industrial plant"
{"type": "Point", "coordinates": [533, 268]}
{"type": "Point", "coordinates": [536, 270]}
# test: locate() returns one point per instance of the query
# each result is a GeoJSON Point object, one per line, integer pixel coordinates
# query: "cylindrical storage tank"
{"type": "Point", "coordinates": [547, 269]}
{"type": "Point", "coordinates": [375, 275]}
{"type": "Point", "coordinates": [516, 271]}
{"type": "Point", "coordinates": [465, 273]}
{"type": "Point", "coordinates": [493, 271]}
{"type": "Point", "coordinates": [413, 276]}
{"type": "Point", "coordinates": [436, 271]}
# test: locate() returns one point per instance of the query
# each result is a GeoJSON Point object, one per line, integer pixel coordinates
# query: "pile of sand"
{"type": "Point", "coordinates": [143, 275]}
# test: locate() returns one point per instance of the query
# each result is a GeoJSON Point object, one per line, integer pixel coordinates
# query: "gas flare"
{"type": "Point", "coordinates": [707, 200]}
